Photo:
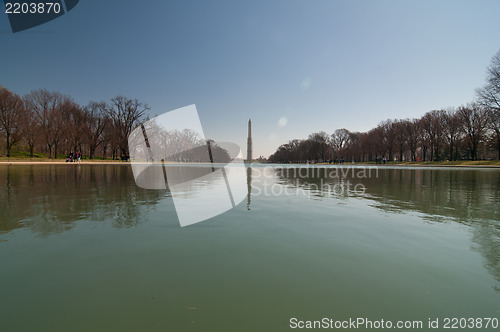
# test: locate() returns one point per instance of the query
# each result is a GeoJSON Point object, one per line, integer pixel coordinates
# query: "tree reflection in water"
{"type": "Point", "coordinates": [52, 198]}
{"type": "Point", "coordinates": [467, 196]}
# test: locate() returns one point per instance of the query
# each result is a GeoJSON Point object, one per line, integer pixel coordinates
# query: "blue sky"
{"type": "Point", "coordinates": [316, 64]}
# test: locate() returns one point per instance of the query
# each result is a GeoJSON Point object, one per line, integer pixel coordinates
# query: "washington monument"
{"type": "Point", "coordinates": [249, 141]}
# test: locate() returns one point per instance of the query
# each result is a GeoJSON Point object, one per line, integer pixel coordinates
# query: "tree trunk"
{"type": "Point", "coordinates": [31, 147]}
{"type": "Point", "coordinates": [474, 151]}
{"type": "Point", "coordinates": [498, 144]}
{"type": "Point", "coordinates": [8, 147]}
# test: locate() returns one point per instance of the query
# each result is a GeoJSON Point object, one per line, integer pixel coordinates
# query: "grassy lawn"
{"type": "Point", "coordinates": [431, 163]}
{"type": "Point", "coordinates": [24, 156]}
{"type": "Point", "coordinates": [454, 163]}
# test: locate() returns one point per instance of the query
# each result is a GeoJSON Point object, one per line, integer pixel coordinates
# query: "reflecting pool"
{"type": "Point", "coordinates": [83, 248]}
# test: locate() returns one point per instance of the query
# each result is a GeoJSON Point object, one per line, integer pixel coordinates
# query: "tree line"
{"type": "Point", "coordinates": [53, 123]}
{"type": "Point", "coordinates": [469, 131]}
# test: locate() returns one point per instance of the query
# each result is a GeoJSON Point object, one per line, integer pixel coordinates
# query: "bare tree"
{"type": "Point", "coordinates": [452, 131]}
{"type": "Point", "coordinates": [125, 115]}
{"type": "Point", "coordinates": [11, 109]}
{"type": "Point", "coordinates": [413, 136]}
{"type": "Point", "coordinates": [489, 95]}
{"type": "Point", "coordinates": [39, 101]}
{"type": "Point", "coordinates": [286, 153]}
{"type": "Point", "coordinates": [47, 107]}
{"type": "Point", "coordinates": [355, 146]}
{"type": "Point", "coordinates": [473, 120]}
{"type": "Point", "coordinates": [431, 123]}
{"type": "Point", "coordinates": [371, 143]}
{"type": "Point", "coordinates": [31, 129]}
{"type": "Point", "coordinates": [339, 140]}
{"type": "Point", "coordinates": [401, 139]}
{"type": "Point", "coordinates": [73, 122]}
{"type": "Point", "coordinates": [318, 146]}
{"type": "Point", "coordinates": [95, 123]}
{"type": "Point", "coordinates": [424, 138]}
{"type": "Point", "coordinates": [494, 126]}
{"type": "Point", "coordinates": [387, 134]}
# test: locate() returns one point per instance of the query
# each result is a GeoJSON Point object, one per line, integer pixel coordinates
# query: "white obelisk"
{"type": "Point", "coordinates": [249, 141]}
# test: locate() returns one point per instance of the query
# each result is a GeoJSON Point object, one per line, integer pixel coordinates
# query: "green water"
{"type": "Point", "coordinates": [82, 248]}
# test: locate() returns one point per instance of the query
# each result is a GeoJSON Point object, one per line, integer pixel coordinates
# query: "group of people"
{"type": "Point", "coordinates": [73, 157]}
{"type": "Point", "coordinates": [380, 160]}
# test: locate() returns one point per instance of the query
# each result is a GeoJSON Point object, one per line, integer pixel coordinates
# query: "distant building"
{"type": "Point", "coordinates": [261, 159]}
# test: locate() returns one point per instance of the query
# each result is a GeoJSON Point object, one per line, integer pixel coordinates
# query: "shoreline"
{"type": "Point", "coordinates": [468, 164]}
{"type": "Point", "coordinates": [18, 162]}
